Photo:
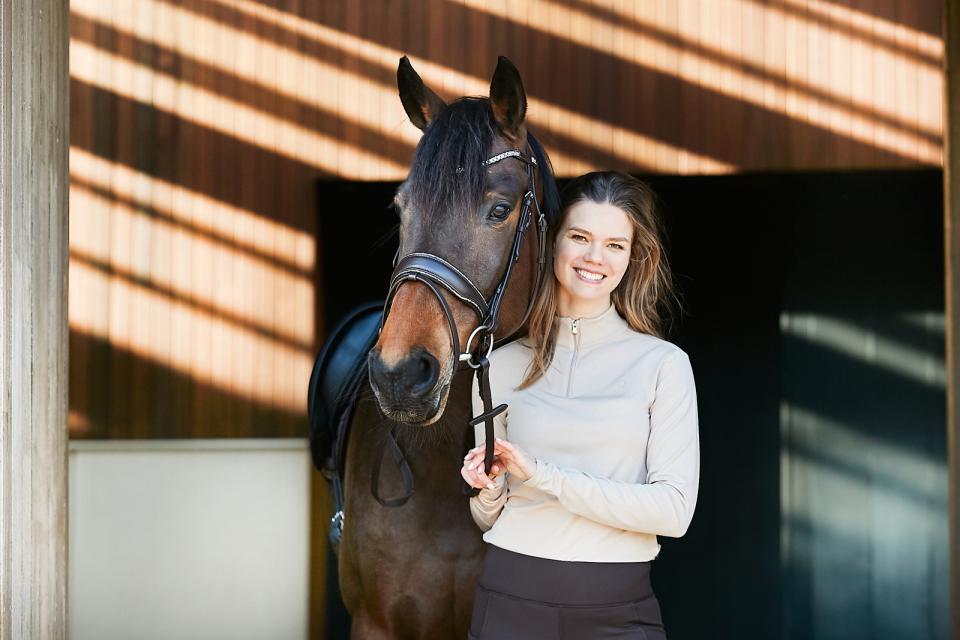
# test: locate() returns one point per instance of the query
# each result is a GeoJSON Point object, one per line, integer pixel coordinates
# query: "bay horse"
{"type": "Point", "coordinates": [408, 566]}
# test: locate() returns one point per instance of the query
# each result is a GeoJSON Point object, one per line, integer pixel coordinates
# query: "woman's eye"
{"type": "Point", "coordinates": [619, 247]}
{"type": "Point", "coordinates": [501, 211]}
{"type": "Point", "coordinates": [577, 236]}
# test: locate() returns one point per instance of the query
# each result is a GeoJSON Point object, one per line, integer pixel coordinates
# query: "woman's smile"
{"type": "Point", "coordinates": [590, 277]}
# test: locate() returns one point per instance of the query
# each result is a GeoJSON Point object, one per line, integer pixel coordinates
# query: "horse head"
{"type": "Point", "coordinates": [475, 172]}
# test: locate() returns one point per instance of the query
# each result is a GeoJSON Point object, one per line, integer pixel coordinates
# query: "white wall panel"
{"type": "Point", "coordinates": [189, 539]}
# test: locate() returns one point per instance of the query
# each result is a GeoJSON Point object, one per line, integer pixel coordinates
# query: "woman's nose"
{"type": "Point", "coordinates": [595, 253]}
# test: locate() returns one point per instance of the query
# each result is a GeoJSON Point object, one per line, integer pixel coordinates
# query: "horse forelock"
{"type": "Point", "coordinates": [447, 175]}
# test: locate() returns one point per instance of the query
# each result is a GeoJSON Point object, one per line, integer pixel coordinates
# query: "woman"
{"type": "Point", "coordinates": [598, 452]}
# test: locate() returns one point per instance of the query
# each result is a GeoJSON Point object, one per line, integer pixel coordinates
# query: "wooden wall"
{"type": "Point", "coordinates": [200, 126]}
{"type": "Point", "coordinates": [192, 253]}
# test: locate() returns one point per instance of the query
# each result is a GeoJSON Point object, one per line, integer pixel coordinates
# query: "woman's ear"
{"type": "Point", "coordinates": [421, 104]}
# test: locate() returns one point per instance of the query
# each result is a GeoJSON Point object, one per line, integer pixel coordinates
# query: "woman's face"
{"type": "Point", "coordinates": [592, 253]}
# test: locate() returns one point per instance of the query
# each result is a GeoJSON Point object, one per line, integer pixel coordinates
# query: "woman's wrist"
{"type": "Point", "coordinates": [536, 467]}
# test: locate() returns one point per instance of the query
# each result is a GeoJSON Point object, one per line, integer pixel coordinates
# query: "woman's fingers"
{"type": "Point", "coordinates": [473, 465]}
{"type": "Point", "coordinates": [467, 474]}
{"type": "Point", "coordinates": [519, 462]}
{"type": "Point", "coordinates": [508, 455]}
{"type": "Point", "coordinates": [473, 474]}
{"type": "Point", "coordinates": [480, 478]}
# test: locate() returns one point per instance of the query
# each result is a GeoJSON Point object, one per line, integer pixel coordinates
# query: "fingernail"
{"type": "Point", "coordinates": [491, 486]}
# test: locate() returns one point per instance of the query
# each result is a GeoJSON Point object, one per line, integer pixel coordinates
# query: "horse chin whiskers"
{"type": "Point", "coordinates": [417, 416]}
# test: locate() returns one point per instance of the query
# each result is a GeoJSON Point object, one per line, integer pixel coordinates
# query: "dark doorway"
{"type": "Point", "coordinates": [814, 323]}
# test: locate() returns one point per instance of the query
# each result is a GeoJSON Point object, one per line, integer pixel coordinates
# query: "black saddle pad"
{"type": "Point", "coordinates": [337, 372]}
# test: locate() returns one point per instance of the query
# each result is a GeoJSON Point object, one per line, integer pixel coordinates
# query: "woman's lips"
{"type": "Point", "coordinates": [588, 280]}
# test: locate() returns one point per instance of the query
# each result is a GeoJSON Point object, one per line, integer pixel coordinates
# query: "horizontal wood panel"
{"type": "Point", "coordinates": [200, 126]}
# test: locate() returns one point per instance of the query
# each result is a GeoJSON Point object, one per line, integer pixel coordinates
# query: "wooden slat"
{"type": "Point", "coordinates": [841, 77]}
{"type": "Point", "coordinates": [647, 93]}
{"type": "Point", "coordinates": [142, 317]}
{"type": "Point", "coordinates": [182, 335]}
{"type": "Point", "coordinates": [81, 353]}
{"type": "Point", "coordinates": [292, 207]}
{"type": "Point", "coordinates": [120, 232]}
{"type": "Point", "coordinates": [245, 172]}
{"type": "Point", "coordinates": [162, 389]}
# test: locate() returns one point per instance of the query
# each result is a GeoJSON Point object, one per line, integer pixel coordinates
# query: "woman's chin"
{"type": "Point", "coordinates": [584, 292]}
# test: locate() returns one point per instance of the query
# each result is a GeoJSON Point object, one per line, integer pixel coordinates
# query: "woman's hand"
{"type": "Point", "coordinates": [472, 469]}
{"type": "Point", "coordinates": [507, 457]}
{"type": "Point", "coordinates": [516, 461]}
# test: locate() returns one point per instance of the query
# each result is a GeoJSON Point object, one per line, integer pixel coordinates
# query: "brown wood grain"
{"type": "Point", "coordinates": [248, 103]}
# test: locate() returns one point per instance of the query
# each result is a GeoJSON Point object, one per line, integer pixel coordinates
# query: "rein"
{"type": "Point", "coordinates": [437, 273]}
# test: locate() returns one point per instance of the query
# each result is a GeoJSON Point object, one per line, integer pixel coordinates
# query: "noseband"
{"type": "Point", "coordinates": [437, 273]}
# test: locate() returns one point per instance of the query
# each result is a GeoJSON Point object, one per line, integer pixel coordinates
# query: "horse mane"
{"type": "Point", "coordinates": [447, 169]}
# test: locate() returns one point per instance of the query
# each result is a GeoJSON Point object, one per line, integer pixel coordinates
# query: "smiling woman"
{"type": "Point", "coordinates": [610, 228]}
{"type": "Point", "coordinates": [598, 450]}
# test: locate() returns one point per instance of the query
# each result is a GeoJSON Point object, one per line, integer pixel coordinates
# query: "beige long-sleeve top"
{"type": "Point", "coordinates": [613, 427]}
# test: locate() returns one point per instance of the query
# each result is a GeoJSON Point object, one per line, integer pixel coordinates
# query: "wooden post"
{"type": "Point", "coordinates": [951, 233]}
{"type": "Point", "coordinates": [34, 139]}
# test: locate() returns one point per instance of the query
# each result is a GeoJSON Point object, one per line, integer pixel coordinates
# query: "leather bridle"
{"type": "Point", "coordinates": [437, 273]}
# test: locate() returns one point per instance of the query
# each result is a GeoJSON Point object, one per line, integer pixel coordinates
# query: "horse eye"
{"type": "Point", "coordinates": [501, 211]}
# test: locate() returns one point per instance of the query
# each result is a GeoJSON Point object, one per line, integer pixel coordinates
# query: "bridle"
{"type": "Point", "coordinates": [437, 273]}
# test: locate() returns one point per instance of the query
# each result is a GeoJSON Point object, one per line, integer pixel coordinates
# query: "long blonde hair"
{"type": "Point", "coordinates": [645, 297]}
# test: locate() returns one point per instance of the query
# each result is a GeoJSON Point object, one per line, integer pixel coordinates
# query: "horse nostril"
{"type": "Point", "coordinates": [425, 372]}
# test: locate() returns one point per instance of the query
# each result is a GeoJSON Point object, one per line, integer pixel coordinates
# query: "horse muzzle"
{"type": "Point", "coordinates": [410, 391]}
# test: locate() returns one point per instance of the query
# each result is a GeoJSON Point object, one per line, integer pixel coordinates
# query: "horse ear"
{"type": "Point", "coordinates": [421, 104]}
{"type": "Point", "coordinates": [507, 98]}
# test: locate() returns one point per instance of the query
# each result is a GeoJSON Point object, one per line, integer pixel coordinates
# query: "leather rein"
{"type": "Point", "coordinates": [437, 273]}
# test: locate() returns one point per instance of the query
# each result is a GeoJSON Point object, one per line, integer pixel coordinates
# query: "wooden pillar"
{"type": "Point", "coordinates": [951, 232]}
{"type": "Point", "coordinates": [34, 139]}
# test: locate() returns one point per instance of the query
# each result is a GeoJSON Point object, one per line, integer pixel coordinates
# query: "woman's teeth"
{"type": "Point", "coordinates": [586, 275]}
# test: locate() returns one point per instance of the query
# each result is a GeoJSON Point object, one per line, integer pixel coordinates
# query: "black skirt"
{"type": "Point", "coordinates": [522, 596]}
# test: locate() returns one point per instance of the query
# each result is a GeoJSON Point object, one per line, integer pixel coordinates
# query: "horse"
{"type": "Point", "coordinates": [408, 565]}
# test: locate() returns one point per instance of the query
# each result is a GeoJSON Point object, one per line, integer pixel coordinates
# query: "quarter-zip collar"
{"type": "Point", "coordinates": [585, 332]}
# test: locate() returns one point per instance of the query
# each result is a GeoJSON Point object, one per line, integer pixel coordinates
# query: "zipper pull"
{"type": "Point", "coordinates": [575, 326]}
